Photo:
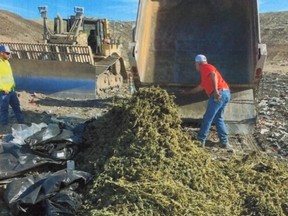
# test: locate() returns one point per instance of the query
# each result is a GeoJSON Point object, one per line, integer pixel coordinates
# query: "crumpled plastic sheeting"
{"type": "Point", "coordinates": [46, 194]}
{"type": "Point", "coordinates": [21, 131]}
{"type": "Point", "coordinates": [47, 144]}
{"type": "Point", "coordinates": [56, 141]}
{"type": "Point", "coordinates": [63, 203]}
{"type": "Point", "coordinates": [15, 160]}
{"type": "Point", "coordinates": [50, 133]}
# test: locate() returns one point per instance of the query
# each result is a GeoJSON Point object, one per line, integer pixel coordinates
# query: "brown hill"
{"type": "Point", "coordinates": [274, 27]}
{"type": "Point", "coordinates": [15, 28]}
{"type": "Point", "coordinates": [274, 32]}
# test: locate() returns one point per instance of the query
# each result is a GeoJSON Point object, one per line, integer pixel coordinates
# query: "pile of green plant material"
{"type": "Point", "coordinates": [144, 164]}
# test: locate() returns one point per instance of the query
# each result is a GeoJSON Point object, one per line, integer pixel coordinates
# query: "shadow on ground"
{"type": "Point", "coordinates": [97, 103]}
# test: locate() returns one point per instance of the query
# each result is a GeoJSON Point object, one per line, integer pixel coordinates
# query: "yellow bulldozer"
{"type": "Point", "coordinates": [79, 57]}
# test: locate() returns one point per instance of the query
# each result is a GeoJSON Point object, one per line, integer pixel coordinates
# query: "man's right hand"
{"type": "Point", "coordinates": [217, 95]}
{"type": "Point", "coordinates": [6, 91]}
{"type": "Point", "coordinates": [184, 92]}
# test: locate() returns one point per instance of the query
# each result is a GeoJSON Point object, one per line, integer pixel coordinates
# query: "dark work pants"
{"type": "Point", "coordinates": [12, 100]}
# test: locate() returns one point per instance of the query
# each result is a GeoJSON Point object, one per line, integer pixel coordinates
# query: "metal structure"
{"type": "Point", "coordinates": [169, 34]}
{"type": "Point", "coordinates": [78, 57]}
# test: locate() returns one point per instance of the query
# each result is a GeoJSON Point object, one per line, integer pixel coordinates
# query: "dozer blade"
{"type": "Point", "coordinates": [62, 79]}
{"type": "Point", "coordinates": [62, 70]}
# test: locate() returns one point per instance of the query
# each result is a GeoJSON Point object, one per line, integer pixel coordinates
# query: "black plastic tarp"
{"type": "Point", "coordinates": [30, 147]}
{"type": "Point", "coordinates": [16, 160]}
{"type": "Point", "coordinates": [53, 141]}
{"type": "Point", "coordinates": [56, 141]}
{"type": "Point", "coordinates": [48, 194]}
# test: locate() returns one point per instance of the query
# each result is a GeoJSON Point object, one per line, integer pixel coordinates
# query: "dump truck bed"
{"type": "Point", "coordinates": [169, 34]}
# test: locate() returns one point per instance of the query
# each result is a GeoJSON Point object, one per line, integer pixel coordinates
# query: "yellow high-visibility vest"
{"type": "Point", "coordinates": [7, 82]}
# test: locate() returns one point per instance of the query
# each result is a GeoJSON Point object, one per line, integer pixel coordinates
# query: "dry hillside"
{"type": "Point", "coordinates": [274, 32]}
{"type": "Point", "coordinates": [15, 28]}
{"type": "Point", "coordinates": [274, 27]}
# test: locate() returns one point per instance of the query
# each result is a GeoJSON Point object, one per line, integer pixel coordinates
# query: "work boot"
{"type": "Point", "coordinates": [201, 143]}
{"type": "Point", "coordinates": [228, 147]}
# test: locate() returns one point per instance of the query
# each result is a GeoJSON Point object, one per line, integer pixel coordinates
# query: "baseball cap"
{"type": "Point", "coordinates": [5, 48]}
{"type": "Point", "coordinates": [200, 58]}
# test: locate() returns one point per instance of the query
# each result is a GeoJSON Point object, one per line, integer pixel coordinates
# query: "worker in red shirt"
{"type": "Point", "coordinates": [219, 95]}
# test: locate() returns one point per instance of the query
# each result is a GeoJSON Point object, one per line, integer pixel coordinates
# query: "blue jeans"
{"type": "Point", "coordinates": [12, 100]}
{"type": "Point", "coordinates": [214, 114]}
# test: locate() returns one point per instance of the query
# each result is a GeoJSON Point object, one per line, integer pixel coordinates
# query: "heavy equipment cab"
{"type": "Point", "coordinates": [80, 30]}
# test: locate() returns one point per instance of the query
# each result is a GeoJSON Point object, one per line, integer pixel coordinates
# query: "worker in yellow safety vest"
{"type": "Point", "coordinates": [8, 95]}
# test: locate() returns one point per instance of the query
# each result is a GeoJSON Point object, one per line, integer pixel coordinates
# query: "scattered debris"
{"type": "Point", "coordinates": [272, 127]}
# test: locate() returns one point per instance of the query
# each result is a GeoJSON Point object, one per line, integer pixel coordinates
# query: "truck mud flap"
{"type": "Point", "coordinates": [240, 115]}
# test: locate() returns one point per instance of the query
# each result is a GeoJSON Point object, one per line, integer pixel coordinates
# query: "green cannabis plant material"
{"type": "Point", "coordinates": [144, 164]}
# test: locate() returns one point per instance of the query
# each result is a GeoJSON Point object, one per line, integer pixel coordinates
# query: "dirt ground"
{"type": "Point", "coordinates": [38, 107]}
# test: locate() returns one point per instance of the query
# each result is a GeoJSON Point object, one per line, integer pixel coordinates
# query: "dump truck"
{"type": "Point", "coordinates": [169, 34]}
{"type": "Point", "coordinates": [78, 58]}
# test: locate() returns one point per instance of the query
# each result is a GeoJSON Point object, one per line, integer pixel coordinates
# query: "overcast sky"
{"type": "Point", "coordinates": [125, 10]}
